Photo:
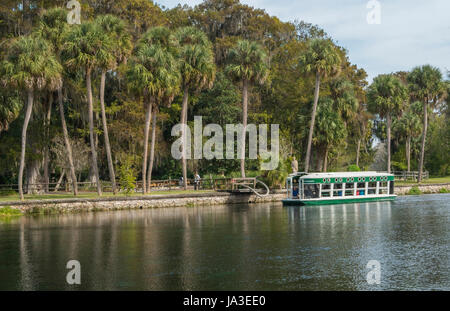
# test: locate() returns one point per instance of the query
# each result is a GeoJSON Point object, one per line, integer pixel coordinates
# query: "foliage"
{"type": "Point", "coordinates": [10, 105]}
{"type": "Point", "coordinates": [353, 168]}
{"type": "Point", "coordinates": [425, 82]}
{"type": "Point", "coordinates": [31, 64]}
{"type": "Point", "coordinates": [321, 57]}
{"type": "Point", "coordinates": [277, 177]}
{"type": "Point", "coordinates": [414, 191]}
{"type": "Point", "coordinates": [197, 68]}
{"type": "Point", "coordinates": [9, 211]}
{"type": "Point", "coordinates": [153, 69]}
{"type": "Point", "coordinates": [80, 153]}
{"type": "Point", "coordinates": [248, 61]}
{"type": "Point", "coordinates": [204, 48]}
{"type": "Point", "coordinates": [127, 177]}
{"type": "Point", "coordinates": [386, 95]}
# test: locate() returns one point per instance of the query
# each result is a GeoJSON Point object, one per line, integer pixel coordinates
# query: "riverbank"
{"type": "Point", "coordinates": [422, 188]}
{"type": "Point", "coordinates": [68, 205]}
{"type": "Point", "coordinates": [138, 202]}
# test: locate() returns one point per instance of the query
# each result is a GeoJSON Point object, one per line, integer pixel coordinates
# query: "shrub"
{"type": "Point", "coordinates": [444, 190]}
{"type": "Point", "coordinates": [8, 211]}
{"type": "Point", "coordinates": [414, 191]}
{"type": "Point", "coordinates": [353, 168]}
{"type": "Point", "coordinates": [127, 177]}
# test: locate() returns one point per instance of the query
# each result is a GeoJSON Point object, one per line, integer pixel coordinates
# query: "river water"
{"type": "Point", "coordinates": [236, 247]}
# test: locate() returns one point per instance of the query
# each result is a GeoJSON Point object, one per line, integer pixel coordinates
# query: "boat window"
{"type": "Point", "coordinates": [383, 187]}
{"type": "Point", "coordinates": [361, 185]}
{"type": "Point", "coordinates": [326, 187]}
{"type": "Point", "coordinates": [337, 190]}
{"type": "Point", "coordinates": [373, 184]}
{"type": "Point", "coordinates": [348, 193]}
{"type": "Point", "coordinates": [337, 193]}
{"type": "Point", "coordinates": [311, 191]}
{"type": "Point", "coordinates": [326, 194]}
{"type": "Point", "coordinates": [371, 191]}
{"type": "Point", "coordinates": [349, 186]}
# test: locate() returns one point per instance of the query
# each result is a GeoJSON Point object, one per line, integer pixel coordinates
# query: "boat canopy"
{"type": "Point", "coordinates": [342, 177]}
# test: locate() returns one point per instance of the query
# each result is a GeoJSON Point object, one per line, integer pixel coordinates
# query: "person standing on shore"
{"type": "Point", "coordinates": [196, 181]}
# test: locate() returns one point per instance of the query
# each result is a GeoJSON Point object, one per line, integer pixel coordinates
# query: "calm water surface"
{"type": "Point", "coordinates": [239, 247]}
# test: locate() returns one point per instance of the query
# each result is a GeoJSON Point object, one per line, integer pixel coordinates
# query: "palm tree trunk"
{"type": "Point", "coordinates": [148, 116]}
{"type": "Point", "coordinates": [24, 140]}
{"type": "Point", "coordinates": [325, 159]}
{"type": "Point", "coordinates": [152, 152]}
{"type": "Point", "coordinates": [408, 152]}
{"type": "Point", "coordinates": [112, 176]}
{"type": "Point", "coordinates": [313, 118]}
{"type": "Point", "coordinates": [388, 119]}
{"type": "Point", "coordinates": [424, 136]}
{"type": "Point", "coordinates": [184, 124]}
{"type": "Point", "coordinates": [67, 141]}
{"type": "Point", "coordinates": [358, 150]}
{"type": "Point", "coordinates": [91, 131]}
{"type": "Point", "coordinates": [47, 139]}
{"type": "Point", "coordinates": [244, 124]}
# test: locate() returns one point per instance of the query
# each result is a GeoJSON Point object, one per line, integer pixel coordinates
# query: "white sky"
{"type": "Point", "coordinates": [411, 32]}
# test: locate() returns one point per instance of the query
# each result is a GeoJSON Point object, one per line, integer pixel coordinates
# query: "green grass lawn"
{"type": "Point", "coordinates": [90, 195]}
{"type": "Point", "coordinates": [432, 180]}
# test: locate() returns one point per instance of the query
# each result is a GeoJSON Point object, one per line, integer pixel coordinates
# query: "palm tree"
{"type": "Point", "coordinates": [153, 70]}
{"type": "Point", "coordinates": [197, 71]}
{"type": "Point", "coordinates": [53, 28]}
{"type": "Point", "coordinates": [386, 96]}
{"type": "Point", "coordinates": [166, 99]}
{"type": "Point", "coordinates": [248, 63]}
{"type": "Point", "coordinates": [361, 125]}
{"type": "Point", "coordinates": [344, 98]}
{"type": "Point", "coordinates": [321, 58]}
{"type": "Point", "coordinates": [86, 47]}
{"type": "Point", "coordinates": [30, 65]}
{"type": "Point", "coordinates": [330, 128]}
{"type": "Point", "coordinates": [425, 84]}
{"type": "Point", "coordinates": [120, 47]}
{"type": "Point", "coordinates": [409, 125]}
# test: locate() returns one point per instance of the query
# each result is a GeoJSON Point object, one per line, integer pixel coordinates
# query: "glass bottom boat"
{"type": "Point", "coordinates": [337, 188]}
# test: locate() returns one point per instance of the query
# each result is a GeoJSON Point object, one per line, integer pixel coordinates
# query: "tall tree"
{"type": "Point", "coordinates": [30, 65]}
{"type": "Point", "coordinates": [197, 71]}
{"type": "Point", "coordinates": [248, 64]}
{"type": "Point", "coordinates": [330, 129]}
{"type": "Point", "coordinates": [53, 27]}
{"type": "Point", "coordinates": [361, 128]}
{"type": "Point", "coordinates": [85, 46]}
{"type": "Point", "coordinates": [118, 50]}
{"type": "Point", "coordinates": [425, 84]}
{"type": "Point", "coordinates": [344, 98]}
{"type": "Point", "coordinates": [387, 96]}
{"type": "Point", "coordinates": [322, 59]}
{"type": "Point", "coordinates": [152, 70]}
{"type": "Point", "coordinates": [409, 125]}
